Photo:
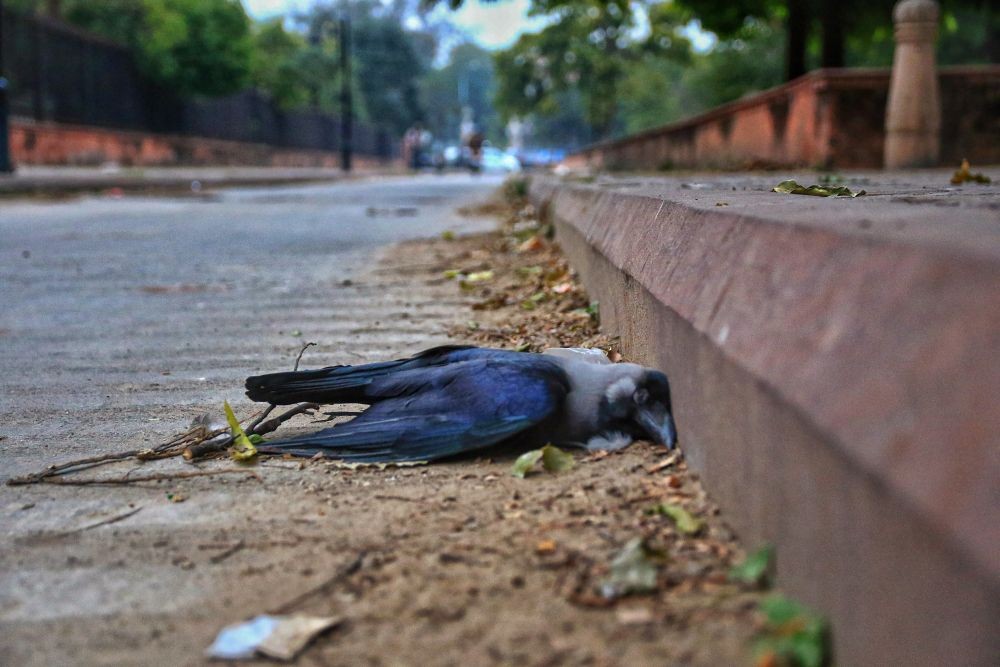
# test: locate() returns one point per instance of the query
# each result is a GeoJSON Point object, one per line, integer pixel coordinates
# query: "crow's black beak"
{"type": "Point", "coordinates": [658, 425]}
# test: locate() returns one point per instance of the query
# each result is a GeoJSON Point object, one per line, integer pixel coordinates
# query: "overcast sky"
{"type": "Point", "coordinates": [493, 25]}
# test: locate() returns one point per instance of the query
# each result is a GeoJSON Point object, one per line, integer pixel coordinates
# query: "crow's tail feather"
{"type": "Point", "coordinates": [335, 384]}
{"type": "Point", "coordinates": [344, 384]}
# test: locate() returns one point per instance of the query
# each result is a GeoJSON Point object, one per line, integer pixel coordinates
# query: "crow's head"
{"type": "Point", "coordinates": [639, 404]}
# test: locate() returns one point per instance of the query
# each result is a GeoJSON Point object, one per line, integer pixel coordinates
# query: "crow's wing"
{"type": "Point", "coordinates": [352, 384]}
{"type": "Point", "coordinates": [462, 407]}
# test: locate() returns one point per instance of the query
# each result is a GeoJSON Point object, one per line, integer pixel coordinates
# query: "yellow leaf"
{"type": "Point", "coordinates": [243, 449]}
{"type": "Point", "coordinates": [480, 276]}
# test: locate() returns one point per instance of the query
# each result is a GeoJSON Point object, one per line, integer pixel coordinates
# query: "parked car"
{"type": "Point", "coordinates": [496, 161]}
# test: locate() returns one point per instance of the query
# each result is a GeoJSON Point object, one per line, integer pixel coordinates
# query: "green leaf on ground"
{"type": "Point", "coordinates": [451, 274]}
{"type": "Point", "coordinates": [525, 462]}
{"type": "Point", "coordinates": [633, 570]}
{"type": "Point", "coordinates": [793, 188]}
{"type": "Point", "coordinates": [754, 568]}
{"type": "Point", "coordinates": [242, 449]}
{"type": "Point", "coordinates": [685, 522]}
{"type": "Point", "coordinates": [553, 460]}
{"type": "Point", "coordinates": [447, 235]}
{"type": "Point", "coordinates": [793, 634]}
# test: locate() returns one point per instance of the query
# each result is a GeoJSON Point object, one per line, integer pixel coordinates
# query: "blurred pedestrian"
{"type": "Point", "coordinates": [411, 146]}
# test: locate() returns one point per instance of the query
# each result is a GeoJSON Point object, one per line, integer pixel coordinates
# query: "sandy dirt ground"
{"type": "Point", "coordinates": [452, 564]}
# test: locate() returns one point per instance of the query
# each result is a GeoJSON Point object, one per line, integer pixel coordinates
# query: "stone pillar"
{"type": "Point", "coordinates": [913, 116]}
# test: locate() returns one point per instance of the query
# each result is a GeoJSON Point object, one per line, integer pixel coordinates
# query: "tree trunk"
{"type": "Point", "coordinates": [991, 46]}
{"type": "Point", "coordinates": [832, 24]}
{"type": "Point", "coordinates": [798, 32]}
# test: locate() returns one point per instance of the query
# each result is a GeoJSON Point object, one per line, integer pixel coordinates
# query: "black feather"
{"type": "Point", "coordinates": [439, 410]}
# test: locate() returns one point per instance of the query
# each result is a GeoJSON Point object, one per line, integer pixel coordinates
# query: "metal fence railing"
{"type": "Point", "coordinates": [60, 74]}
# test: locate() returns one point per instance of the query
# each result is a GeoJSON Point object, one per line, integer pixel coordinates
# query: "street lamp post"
{"type": "Point", "coordinates": [5, 165]}
{"type": "Point", "coordinates": [346, 102]}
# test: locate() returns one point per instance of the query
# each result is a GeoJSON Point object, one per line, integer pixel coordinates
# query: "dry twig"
{"type": "Point", "coordinates": [324, 587]}
{"type": "Point", "coordinates": [119, 481]}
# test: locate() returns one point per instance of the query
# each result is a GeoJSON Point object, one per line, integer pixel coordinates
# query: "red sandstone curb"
{"type": "Point", "coordinates": [834, 377]}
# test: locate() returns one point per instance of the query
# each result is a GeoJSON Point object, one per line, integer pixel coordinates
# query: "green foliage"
{"type": "Point", "coordinates": [726, 17]}
{"type": "Point", "coordinates": [515, 190]}
{"type": "Point", "coordinates": [793, 635]}
{"type": "Point", "coordinates": [553, 460]}
{"type": "Point", "coordinates": [652, 94]}
{"type": "Point", "coordinates": [196, 46]}
{"type": "Point", "coordinates": [277, 64]}
{"type": "Point", "coordinates": [588, 49]}
{"type": "Point", "coordinates": [686, 523]}
{"type": "Point", "coordinates": [190, 46]}
{"type": "Point", "coordinates": [120, 21]}
{"type": "Point", "coordinates": [751, 61]}
{"type": "Point", "coordinates": [754, 570]}
{"type": "Point", "coordinates": [388, 60]}
{"type": "Point", "coordinates": [966, 35]}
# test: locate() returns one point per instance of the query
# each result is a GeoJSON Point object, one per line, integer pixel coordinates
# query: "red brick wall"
{"type": "Point", "coordinates": [831, 118]}
{"type": "Point", "coordinates": [55, 144]}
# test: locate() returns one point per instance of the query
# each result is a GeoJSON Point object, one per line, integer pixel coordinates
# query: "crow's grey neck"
{"type": "Point", "coordinates": [589, 383]}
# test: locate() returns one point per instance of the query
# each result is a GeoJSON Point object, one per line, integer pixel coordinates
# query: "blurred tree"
{"type": "Point", "coordinates": [589, 47]}
{"type": "Point", "coordinates": [467, 80]}
{"type": "Point", "coordinates": [190, 46]}
{"type": "Point", "coordinates": [196, 46]}
{"type": "Point", "coordinates": [969, 33]}
{"type": "Point", "coordinates": [564, 127]}
{"type": "Point", "coordinates": [388, 60]}
{"type": "Point", "coordinates": [279, 64]}
{"type": "Point", "coordinates": [853, 31]}
{"type": "Point", "coordinates": [750, 61]}
{"type": "Point", "coordinates": [844, 27]}
{"type": "Point", "coordinates": [652, 94]}
{"type": "Point", "coordinates": [727, 17]}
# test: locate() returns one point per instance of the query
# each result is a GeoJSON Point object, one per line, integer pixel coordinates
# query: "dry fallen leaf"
{"type": "Point", "coordinates": [562, 288]}
{"type": "Point", "coordinates": [634, 615]}
{"type": "Point", "coordinates": [965, 175]}
{"type": "Point", "coordinates": [665, 463]}
{"type": "Point", "coordinates": [531, 245]}
{"type": "Point", "coordinates": [793, 188]}
{"type": "Point", "coordinates": [545, 547]}
{"type": "Point", "coordinates": [633, 570]}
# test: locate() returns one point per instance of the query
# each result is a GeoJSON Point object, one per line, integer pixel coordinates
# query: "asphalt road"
{"type": "Point", "coordinates": [121, 319]}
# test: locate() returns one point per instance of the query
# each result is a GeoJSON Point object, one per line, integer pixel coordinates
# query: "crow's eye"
{"type": "Point", "coordinates": [640, 396]}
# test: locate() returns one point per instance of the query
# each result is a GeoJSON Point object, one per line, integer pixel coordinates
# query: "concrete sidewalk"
{"type": "Point", "coordinates": [57, 181]}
